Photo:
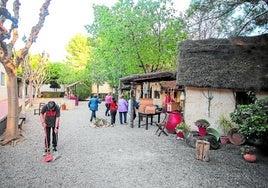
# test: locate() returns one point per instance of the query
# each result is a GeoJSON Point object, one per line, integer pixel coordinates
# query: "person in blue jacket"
{"type": "Point", "coordinates": [93, 105]}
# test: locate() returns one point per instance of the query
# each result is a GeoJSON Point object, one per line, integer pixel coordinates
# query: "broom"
{"type": "Point", "coordinates": [48, 156]}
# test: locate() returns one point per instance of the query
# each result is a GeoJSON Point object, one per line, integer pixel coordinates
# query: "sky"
{"type": "Point", "coordinates": [66, 18]}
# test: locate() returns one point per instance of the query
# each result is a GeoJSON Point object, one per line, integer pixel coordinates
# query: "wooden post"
{"type": "Point", "coordinates": [132, 105]}
{"type": "Point", "coordinates": [202, 150]}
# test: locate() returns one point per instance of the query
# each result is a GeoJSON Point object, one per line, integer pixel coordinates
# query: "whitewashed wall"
{"type": "Point", "coordinates": [3, 88]}
{"type": "Point", "coordinates": [105, 88]}
{"type": "Point", "coordinates": [196, 106]}
{"type": "Point", "coordinates": [46, 87]}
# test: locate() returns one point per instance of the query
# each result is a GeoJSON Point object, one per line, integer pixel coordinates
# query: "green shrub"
{"type": "Point", "coordinates": [252, 119]}
{"type": "Point", "coordinates": [82, 92]}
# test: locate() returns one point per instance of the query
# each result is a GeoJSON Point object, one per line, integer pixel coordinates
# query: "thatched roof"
{"type": "Point", "coordinates": [149, 77]}
{"type": "Point", "coordinates": [168, 84]}
{"type": "Point", "coordinates": [235, 63]}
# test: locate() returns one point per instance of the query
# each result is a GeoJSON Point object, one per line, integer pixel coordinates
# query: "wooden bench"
{"type": "Point", "coordinates": [38, 110]}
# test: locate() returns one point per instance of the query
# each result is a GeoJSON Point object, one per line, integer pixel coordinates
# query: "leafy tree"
{"type": "Point", "coordinates": [79, 60]}
{"type": "Point", "coordinates": [79, 52]}
{"type": "Point", "coordinates": [208, 18]}
{"type": "Point", "coordinates": [135, 37]}
{"type": "Point", "coordinates": [11, 64]}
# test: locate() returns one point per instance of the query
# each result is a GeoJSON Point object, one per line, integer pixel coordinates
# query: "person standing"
{"type": "Point", "coordinates": [93, 105]}
{"type": "Point", "coordinates": [50, 118]}
{"type": "Point", "coordinates": [108, 100]}
{"type": "Point", "coordinates": [113, 111]}
{"type": "Point", "coordinates": [122, 109]}
{"type": "Point", "coordinates": [167, 101]}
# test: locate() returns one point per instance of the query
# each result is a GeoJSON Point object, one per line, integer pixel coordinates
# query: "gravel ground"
{"type": "Point", "coordinates": [122, 157]}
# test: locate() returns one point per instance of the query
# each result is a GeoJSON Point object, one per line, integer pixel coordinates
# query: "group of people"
{"type": "Point", "coordinates": [50, 115]}
{"type": "Point", "coordinates": [112, 107]}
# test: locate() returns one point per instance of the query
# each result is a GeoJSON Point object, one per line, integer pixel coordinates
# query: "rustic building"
{"type": "Point", "coordinates": [217, 74]}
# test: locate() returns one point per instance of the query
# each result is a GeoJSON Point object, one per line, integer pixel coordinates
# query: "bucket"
{"type": "Point", "coordinates": [174, 118]}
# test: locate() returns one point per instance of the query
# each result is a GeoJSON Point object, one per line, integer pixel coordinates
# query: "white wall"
{"type": "Point", "coordinates": [105, 88]}
{"type": "Point", "coordinates": [196, 106]}
{"type": "Point", "coordinates": [3, 88]}
{"type": "Point", "coordinates": [46, 87]}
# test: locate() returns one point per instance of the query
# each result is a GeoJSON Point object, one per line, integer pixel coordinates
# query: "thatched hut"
{"type": "Point", "coordinates": [216, 75]}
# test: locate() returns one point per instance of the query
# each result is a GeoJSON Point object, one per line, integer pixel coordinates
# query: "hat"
{"type": "Point", "coordinates": [51, 105]}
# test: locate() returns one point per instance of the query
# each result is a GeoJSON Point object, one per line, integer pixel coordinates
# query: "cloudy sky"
{"type": "Point", "coordinates": [66, 18]}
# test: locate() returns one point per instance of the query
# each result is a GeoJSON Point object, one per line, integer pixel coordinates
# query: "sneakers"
{"type": "Point", "coordinates": [46, 152]}
{"type": "Point", "coordinates": [54, 149]}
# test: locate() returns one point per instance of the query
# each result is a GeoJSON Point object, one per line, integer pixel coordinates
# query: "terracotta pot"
{"type": "Point", "coordinates": [202, 131]}
{"type": "Point", "coordinates": [224, 139]}
{"type": "Point", "coordinates": [250, 157]}
{"type": "Point", "coordinates": [63, 107]}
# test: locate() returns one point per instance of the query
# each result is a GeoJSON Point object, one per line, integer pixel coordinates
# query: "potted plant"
{"type": "Point", "coordinates": [249, 153]}
{"type": "Point", "coordinates": [202, 125]}
{"type": "Point", "coordinates": [182, 129]}
{"type": "Point", "coordinates": [226, 125]}
{"type": "Point", "coordinates": [252, 121]}
{"type": "Point", "coordinates": [63, 106]}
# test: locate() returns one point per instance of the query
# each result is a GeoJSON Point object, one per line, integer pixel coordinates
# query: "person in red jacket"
{"type": "Point", "coordinates": [113, 111]}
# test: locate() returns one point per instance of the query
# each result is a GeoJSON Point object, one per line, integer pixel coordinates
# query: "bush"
{"type": "Point", "coordinates": [252, 119]}
{"type": "Point", "coordinates": [51, 94]}
{"type": "Point", "coordinates": [82, 92]}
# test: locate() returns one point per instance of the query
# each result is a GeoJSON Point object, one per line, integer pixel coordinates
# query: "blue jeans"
{"type": "Point", "coordinates": [93, 115]}
{"type": "Point", "coordinates": [123, 115]}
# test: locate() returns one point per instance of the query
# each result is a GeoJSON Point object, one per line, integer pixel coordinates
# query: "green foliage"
{"type": "Point", "coordinates": [79, 52]}
{"type": "Point", "coordinates": [248, 149]}
{"type": "Point", "coordinates": [132, 38]}
{"type": "Point", "coordinates": [225, 124]}
{"type": "Point", "coordinates": [252, 119]}
{"type": "Point", "coordinates": [184, 127]}
{"type": "Point", "coordinates": [55, 71]}
{"type": "Point", "coordinates": [202, 123]}
{"type": "Point", "coordinates": [83, 92]}
{"type": "Point", "coordinates": [207, 19]}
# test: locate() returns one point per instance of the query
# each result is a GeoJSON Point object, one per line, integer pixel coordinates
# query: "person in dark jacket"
{"type": "Point", "coordinates": [93, 105]}
{"type": "Point", "coordinates": [50, 118]}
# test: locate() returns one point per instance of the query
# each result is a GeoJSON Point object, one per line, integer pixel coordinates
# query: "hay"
{"type": "Point", "coordinates": [235, 63]}
{"type": "Point", "coordinates": [97, 123]}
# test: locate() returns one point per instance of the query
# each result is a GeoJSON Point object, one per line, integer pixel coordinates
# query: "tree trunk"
{"type": "Point", "coordinates": [31, 93]}
{"type": "Point", "coordinates": [23, 111]}
{"type": "Point", "coordinates": [11, 132]}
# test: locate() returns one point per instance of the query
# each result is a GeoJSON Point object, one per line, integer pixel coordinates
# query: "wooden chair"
{"type": "Point", "coordinates": [162, 126]}
{"type": "Point", "coordinates": [38, 110]}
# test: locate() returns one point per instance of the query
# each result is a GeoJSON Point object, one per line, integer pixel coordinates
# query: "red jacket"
{"type": "Point", "coordinates": [113, 106]}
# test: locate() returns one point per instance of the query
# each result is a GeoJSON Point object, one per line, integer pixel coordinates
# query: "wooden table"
{"type": "Point", "coordinates": [142, 114]}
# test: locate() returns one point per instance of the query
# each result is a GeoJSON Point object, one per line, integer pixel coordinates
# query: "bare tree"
{"type": "Point", "coordinates": [35, 73]}
{"type": "Point", "coordinates": [40, 75]}
{"type": "Point", "coordinates": [11, 61]}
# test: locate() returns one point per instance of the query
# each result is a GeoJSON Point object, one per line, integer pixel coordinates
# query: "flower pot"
{"type": "Point", "coordinates": [63, 107]}
{"type": "Point", "coordinates": [180, 134]}
{"type": "Point", "coordinates": [250, 157]}
{"type": "Point", "coordinates": [224, 139]}
{"type": "Point", "coordinates": [202, 131]}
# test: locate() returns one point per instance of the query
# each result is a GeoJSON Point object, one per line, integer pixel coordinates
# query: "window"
{"type": "Point", "coordinates": [2, 79]}
{"type": "Point", "coordinates": [156, 94]}
{"type": "Point", "coordinates": [244, 98]}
